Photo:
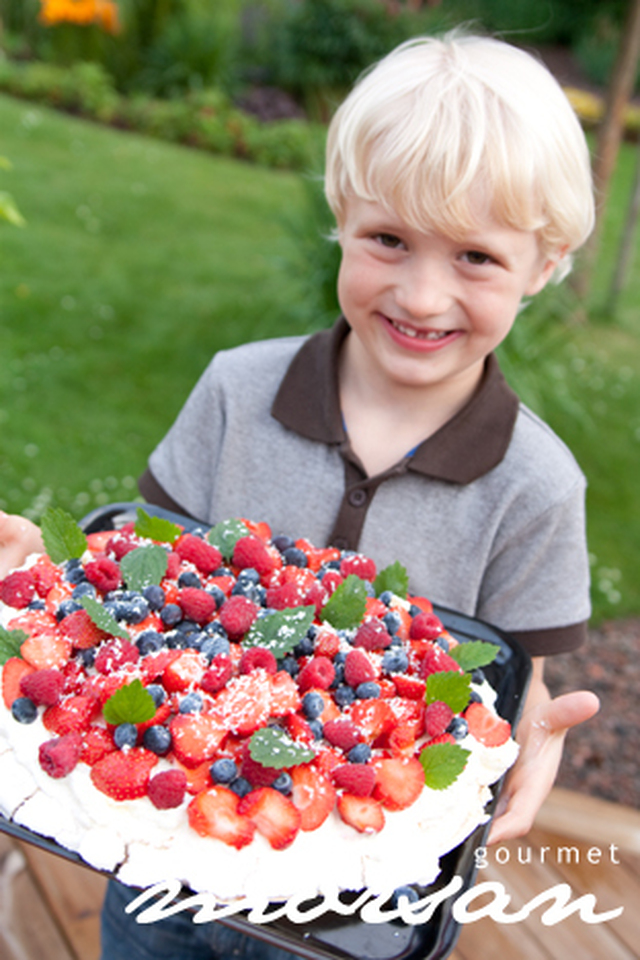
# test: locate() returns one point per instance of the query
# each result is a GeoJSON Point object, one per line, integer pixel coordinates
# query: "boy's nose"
{"type": "Point", "coordinates": [425, 290]}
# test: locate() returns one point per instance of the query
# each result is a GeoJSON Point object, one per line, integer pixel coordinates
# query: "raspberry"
{"type": "Point", "coordinates": [372, 635]}
{"type": "Point", "coordinates": [341, 733]}
{"type": "Point", "coordinates": [219, 672]}
{"type": "Point", "coordinates": [437, 717]}
{"type": "Point", "coordinates": [286, 595]}
{"type": "Point", "coordinates": [436, 660]}
{"type": "Point", "coordinates": [196, 604]}
{"type": "Point", "coordinates": [356, 778]}
{"type": "Point", "coordinates": [332, 580]}
{"type": "Point", "coordinates": [18, 589]}
{"type": "Point", "coordinates": [425, 626]}
{"type": "Point", "coordinates": [237, 614]}
{"type": "Point", "coordinates": [104, 574]}
{"type": "Point", "coordinates": [197, 551]}
{"type": "Point", "coordinates": [358, 668]}
{"type": "Point", "coordinates": [59, 756]}
{"type": "Point", "coordinates": [44, 687]}
{"type": "Point", "coordinates": [359, 565]}
{"type": "Point", "coordinates": [318, 672]}
{"type": "Point", "coordinates": [252, 552]}
{"type": "Point", "coordinates": [256, 773]}
{"type": "Point", "coordinates": [115, 654]}
{"type": "Point", "coordinates": [81, 630]}
{"type": "Point", "coordinates": [167, 789]}
{"type": "Point", "coordinates": [121, 544]}
{"type": "Point", "coordinates": [256, 657]}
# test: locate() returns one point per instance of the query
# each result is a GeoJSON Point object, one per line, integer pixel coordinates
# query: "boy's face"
{"type": "Point", "coordinates": [426, 309]}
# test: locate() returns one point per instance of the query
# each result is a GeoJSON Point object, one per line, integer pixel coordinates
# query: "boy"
{"type": "Point", "coordinates": [460, 182]}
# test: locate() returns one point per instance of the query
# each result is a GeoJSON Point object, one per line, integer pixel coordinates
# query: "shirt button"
{"type": "Point", "coordinates": [358, 498]}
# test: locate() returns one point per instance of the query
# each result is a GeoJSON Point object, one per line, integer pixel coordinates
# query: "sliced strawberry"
{"type": "Point", "coordinates": [96, 744]}
{"type": "Point", "coordinates": [196, 737]}
{"type": "Point", "coordinates": [411, 688]}
{"type": "Point", "coordinates": [124, 775]}
{"type": "Point", "coordinates": [399, 782]}
{"type": "Point", "coordinates": [298, 729]}
{"type": "Point", "coordinates": [99, 541]}
{"type": "Point", "coordinates": [274, 815]}
{"type": "Point", "coordinates": [45, 575]}
{"type": "Point", "coordinates": [285, 698]}
{"type": "Point", "coordinates": [486, 726]}
{"type": "Point", "coordinates": [183, 672]}
{"type": "Point", "coordinates": [100, 687]}
{"type": "Point", "coordinates": [154, 664]}
{"type": "Point", "coordinates": [162, 714]}
{"type": "Point", "coordinates": [326, 642]}
{"type": "Point", "coordinates": [362, 813]}
{"type": "Point", "coordinates": [214, 813]}
{"type": "Point", "coordinates": [313, 794]}
{"type": "Point", "coordinates": [34, 622]}
{"type": "Point", "coordinates": [198, 778]}
{"type": "Point", "coordinates": [59, 592]}
{"type": "Point", "coordinates": [402, 739]}
{"type": "Point", "coordinates": [373, 718]}
{"type": "Point", "coordinates": [46, 650]}
{"type": "Point", "coordinates": [245, 703]}
{"type": "Point", "coordinates": [72, 715]}
{"type": "Point", "coordinates": [12, 673]}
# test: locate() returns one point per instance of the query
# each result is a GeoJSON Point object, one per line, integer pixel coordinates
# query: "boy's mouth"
{"type": "Point", "coordinates": [418, 334]}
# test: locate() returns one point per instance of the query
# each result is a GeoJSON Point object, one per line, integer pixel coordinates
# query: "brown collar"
{"type": "Point", "coordinates": [471, 444]}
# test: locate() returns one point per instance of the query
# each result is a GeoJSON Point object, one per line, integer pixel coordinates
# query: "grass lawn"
{"type": "Point", "coordinates": [141, 259]}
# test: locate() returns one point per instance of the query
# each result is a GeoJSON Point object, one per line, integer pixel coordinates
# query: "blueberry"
{"type": "Point", "coordinates": [283, 783]}
{"type": "Point", "coordinates": [344, 695]}
{"type": "Point", "coordinates": [74, 571]}
{"type": "Point", "coordinates": [295, 557]}
{"type": "Point", "coordinates": [312, 705]}
{"type": "Point", "coordinates": [222, 572]}
{"type": "Point", "coordinates": [24, 710]}
{"type": "Point", "coordinates": [157, 692]}
{"type": "Point", "coordinates": [475, 697]}
{"type": "Point", "coordinates": [392, 622]}
{"type": "Point", "coordinates": [224, 770]}
{"type": "Point", "coordinates": [339, 674]}
{"type": "Point", "coordinates": [187, 628]}
{"type": "Point", "coordinates": [125, 735]}
{"type": "Point", "coordinates": [154, 595]}
{"type": "Point", "coordinates": [135, 609]}
{"type": "Point", "coordinates": [369, 690]}
{"type": "Point", "coordinates": [282, 542]}
{"type": "Point", "coordinates": [415, 610]}
{"type": "Point", "coordinates": [171, 614]}
{"type": "Point", "coordinates": [215, 629]}
{"type": "Point", "coordinates": [290, 664]}
{"type": "Point", "coordinates": [88, 657]}
{"type": "Point", "coordinates": [217, 595]}
{"type": "Point", "coordinates": [36, 605]}
{"type": "Point", "coordinates": [249, 575]}
{"type": "Point", "coordinates": [386, 596]}
{"type": "Point", "coordinates": [478, 676]}
{"type": "Point", "coordinates": [66, 607]}
{"type": "Point", "coordinates": [304, 648]}
{"type": "Point", "coordinates": [458, 728]}
{"type": "Point", "coordinates": [395, 660]}
{"type": "Point", "coordinates": [212, 647]}
{"type": "Point", "coordinates": [84, 589]}
{"type": "Point", "coordinates": [157, 739]}
{"type": "Point", "coordinates": [443, 643]}
{"type": "Point", "coordinates": [316, 728]}
{"type": "Point", "coordinates": [361, 753]}
{"type": "Point", "coordinates": [189, 578]}
{"type": "Point", "coordinates": [191, 703]}
{"type": "Point", "coordinates": [149, 641]}
{"type": "Point", "coordinates": [408, 892]}
{"type": "Point", "coordinates": [240, 786]}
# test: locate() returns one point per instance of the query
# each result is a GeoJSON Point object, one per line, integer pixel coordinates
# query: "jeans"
{"type": "Point", "coordinates": [173, 938]}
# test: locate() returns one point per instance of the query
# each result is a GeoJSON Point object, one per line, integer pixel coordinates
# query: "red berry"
{"type": "Point", "coordinates": [437, 717]}
{"type": "Point", "coordinates": [372, 635]}
{"type": "Point", "coordinates": [97, 742]}
{"type": "Point", "coordinates": [13, 672]}
{"type": "Point", "coordinates": [435, 661]}
{"type": "Point", "coordinates": [124, 776]}
{"type": "Point", "coordinates": [104, 574]}
{"type": "Point", "coordinates": [486, 726]}
{"type": "Point", "coordinates": [356, 778]}
{"type": "Point", "coordinates": [256, 773]}
{"type": "Point", "coordinates": [258, 658]}
{"type": "Point", "coordinates": [197, 551]}
{"type": "Point", "coordinates": [318, 672]}
{"type": "Point", "coordinates": [237, 615]}
{"type": "Point", "coordinates": [252, 552]}
{"type": "Point", "coordinates": [364, 814]}
{"type": "Point", "coordinates": [425, 626]}
{"type": "Point", "coordinates": [214, 813]}
{"type": "Point", "coordinates": [196, 604]}
{"type": "Point", "coordinates": [18, 589]}
{"type": "Point", "coordinates": [358, 668]}
{"type": "Point", "coordinates": [313, 794]}
{"type": "Point", "coordinates": [273, 814]}
{"type": "Point", "coordinates": [81, 630]}
{"type": "Point", "coordinates": [72, 715]}
{"type": "Point", "coordinates": [359, 565]}
{"type": "Point", "coordinates": [399, 782]}
{"type": "Point", "coordinates": [59, 756]}
{"type": "Point", "coordinates": [217, 675]}
{"type": "Point", "coordinates": [341, 733]}
{"type": "Point", "coordinates": [167, 789]}
{"type": "Point", "coordinates": [44, 687]}
{"type": "Point", "coordinates": [115, 654]}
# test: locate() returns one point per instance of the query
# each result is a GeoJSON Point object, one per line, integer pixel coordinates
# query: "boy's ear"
{"type": "Point", "coordinates": [540, 281]}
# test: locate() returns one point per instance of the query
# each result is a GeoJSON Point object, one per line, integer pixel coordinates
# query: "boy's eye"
{"type": "Point", "coordinates": [388, 240]}
{"type": "Point", "coordinates": [477, 258]}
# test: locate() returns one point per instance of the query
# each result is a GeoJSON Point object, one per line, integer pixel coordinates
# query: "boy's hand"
{"type": "Point", "coordinates": [18, 538]}
{"type": "Point", "coordinates": [541, 734]}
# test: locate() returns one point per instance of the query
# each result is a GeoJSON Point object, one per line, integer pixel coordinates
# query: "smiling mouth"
{"type": "Point", "coordinates": [432, 335]}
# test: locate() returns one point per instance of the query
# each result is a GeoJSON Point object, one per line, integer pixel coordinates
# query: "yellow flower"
{"type": "Point", "coordinates": [104, 13]}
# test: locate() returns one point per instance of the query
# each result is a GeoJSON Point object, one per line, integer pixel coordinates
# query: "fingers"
{"type": "Point", "coordinates": [19, 537]}
{"type": "Point", "coordinates": [570, 709]}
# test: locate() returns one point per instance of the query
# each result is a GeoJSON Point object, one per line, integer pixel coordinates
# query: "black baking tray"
{"type": "Point", "coordinates": [335, 937]}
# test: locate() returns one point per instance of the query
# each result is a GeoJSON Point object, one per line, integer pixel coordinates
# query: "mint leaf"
{"type": "Point", "coordinates": [10, 643]}
{"type": "Point", "coordinates": [102, 618]}
{"type": "Point", "coordinates": [272, 747]}
{"type": "Point", "coordinates": [156, 528]}
{"type": "Point", "coordinates": [143, 566]}
{"type": "Point", "coordinates": [226, 534]}
{"type": "Point", "coordinates": [281, 631]}
{"type": "Point", "coordinates": [474, 654]}
{"type": "Point", "coordinates": [130, 704]}
{"type": "Point", "coordinates": [442, 764]}
{"type": "Point", "coordinates": [62, 537]}
{"type": "Point", "coordinates": [394, 578]}
{"type": "Point", "coordinates": [346, 606]}
{"type": "Point", "coordinates": [451, 687]}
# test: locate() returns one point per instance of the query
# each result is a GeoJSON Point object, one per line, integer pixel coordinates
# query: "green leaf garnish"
{"type": "Point", "coordinates": [102, 618]}
{"type": "Point", "coordinates": [272, 747]}
{"type": "Point", "coordinates": [280, 631]}
{"type": "Point", "coordinates": [394, 578]}
{"type": "Point", "coordinates": [226, 534]}
{"type": "Point", "coordinates": [62, 537]}
{"type": "Point", "coordinates": [474, 654]}
{"type": "Point", "coordinates": [451, 687]}
{"type": "Point", "coordinates": [156, 528]}
{"type": "Point", "coordinates": [10, 643]}
{"type": "Point", "coordinates": [442, 764]}
{"type": "Point", "coordinates": [129, 704]}
{"type": "Point", "coordinates": [143, 566]}
{"type": "Point", "coordinates": [346, 606]}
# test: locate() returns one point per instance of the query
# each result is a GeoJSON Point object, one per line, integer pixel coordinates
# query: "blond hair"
{"type": "Point", "coordinates": [441, 124]}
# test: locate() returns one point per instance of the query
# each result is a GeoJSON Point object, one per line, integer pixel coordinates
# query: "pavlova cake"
{"type": "Point", "coordinates": [243, 712]}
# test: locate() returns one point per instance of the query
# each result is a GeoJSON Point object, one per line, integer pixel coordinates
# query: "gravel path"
{"type": "Point", "coordinates": [601, 757]}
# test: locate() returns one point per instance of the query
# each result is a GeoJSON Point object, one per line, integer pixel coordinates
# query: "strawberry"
{"type": "Point", "coordinates": [326, 642]}
{"type": "Point", "coordinates": [318, 672]}
{"type": "Point", "coordinates": [399, 782]}
{"type": "Point", "coordinates": [236, 616]}
{"type": "Point", "coordinates": [80, 629]}
{"type": "Point", "coordinates": [285, 698]}
{"type": "Point", "coordinates": [196, 737]}
{"type": "Point", "coordinates": [18, 589]}
{"type": "Point", "coordinates": [256, 773]}
{"type": "Point", "coordinates": [72, 715]}
{"type": "Point", "coordinates": [34, 622]}
{"type": "Point", "coordinates": [410, 688]}
{"type": "Point", "coordinates": [359, 565]}
{"type": "Point", "coordinates": [245, 703]}
{"type": "Point", "coordinates": [364, 814]}
{"type": "Point", "coordinates": [46, 650]}
{"type": "Point", "coordinates": [437, 717]}
{"type": "Point", "coordinates": [44, 687]}
{"type": "Point", "coordinates": [124, 775]}
{"type": "Point", "coordinates": [154, 664]}
{"type": "Point", "coordinates": [299, 730]}
{"type": "Point", "coordinates": [104, 574]}
{"type": "Point", "coordinates": [286, 595]}
{"type": "Point", "coordinates": [98, 542]}
{"type": "Point", "coordinates": [401, 741]}
{"type": "Point", "coordinates": [217, 675]}
{"type": "Point", "coordinates": [183, 672]}
{"type": "Point", "coordinates": [96, 743]}
{"type": "Point", "coordinates": [373, 718]}
{"type": "Point", "coordinates": [58, 592]}
{"type": "Point", "coordinates": [258, 528]}
{"type": "Point", "coordinates": [486, 726]}
{"type": "Point", "coordinates": [167, 789]}
{"type": "Point", "coordinates": [196, 604]}
{"type": "Point", "coordinates": [214, 813]}
{"type": "Point", "coordinates": [331, 581]}
{"type": "Point", "coordinates": [13, 672]}
{"type": "Point", "coordinates": [197, 551]}
{"type": "Point", "coordinates": [355, 778]}
{"type": "Point", "coordinates": [312, 794]}
{"type": "Point", "coordinates": [274, 815]}
{"type": "Point", "coordinates": [59, 756]}
{"type": "Point", "coordinates": [45, 575]}
{"type": "Point", "coordinates": [198, 778]}
{"type": "Point", "coordinates": [251, 551]}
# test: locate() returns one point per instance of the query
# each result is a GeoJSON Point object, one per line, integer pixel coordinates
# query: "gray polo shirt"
{"type": "Point", "coordinates": [487, 515]}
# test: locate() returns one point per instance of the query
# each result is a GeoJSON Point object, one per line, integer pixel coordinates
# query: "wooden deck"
{"type": "Point", "coordinates": [49, 907]}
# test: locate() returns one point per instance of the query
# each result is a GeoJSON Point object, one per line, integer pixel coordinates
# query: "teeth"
{"type": "Point", "coordinates": [426, 335]}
